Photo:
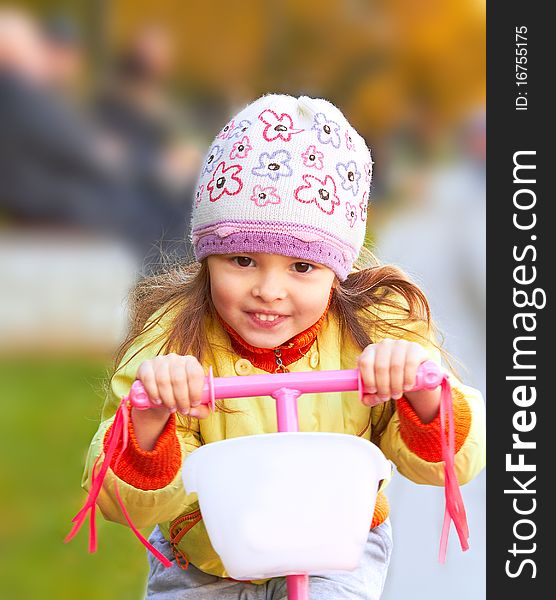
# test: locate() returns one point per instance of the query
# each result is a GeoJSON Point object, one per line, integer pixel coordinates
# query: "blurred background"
{"type": "Point", "coordinates": [106, 111]}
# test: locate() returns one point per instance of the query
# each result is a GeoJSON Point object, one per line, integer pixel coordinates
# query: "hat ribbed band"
{"type": "Point", "coordinates": [327, 250]}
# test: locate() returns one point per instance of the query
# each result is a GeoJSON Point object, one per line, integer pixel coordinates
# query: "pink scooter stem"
{"type": "Point", "coordinates": [286, 415]}
{"type": "Point", "coordinates": [298, 587]}
{"type": "Point", "coordinates": [286, 409]}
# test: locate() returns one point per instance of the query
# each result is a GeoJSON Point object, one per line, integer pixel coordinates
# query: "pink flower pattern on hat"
{"type": "Point", "coordinates": [351, 213]}
{"type": "Point", "coordinates": [321, 192]}
{"type": "Point", "coordinates": [277, 127]}
{"type": "Point", "coordinates": [241, 149]}
{"type": "Point", "coordinates": [262, 196]}
{"type": "Point", "coordinates": [349, 142]}
{"type": "Point", "coordinates": [368, 171]}
{"type": "Point", "coordinates": [225, 181]}
{"type": "Point", "coordinates": [313, 158]}
{"type": "Point", "coordinates": [363, 206]}
{"type": "Point", "coordinates": [199, 194]}
{"type": "Point", "coordinates": [226, 131]}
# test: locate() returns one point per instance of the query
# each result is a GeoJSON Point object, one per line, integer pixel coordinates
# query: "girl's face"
{"type": "Point", "coordinates": [268, 298]}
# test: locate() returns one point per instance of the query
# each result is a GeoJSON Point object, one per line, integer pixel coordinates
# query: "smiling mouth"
{"type": "Point", "coordinates": [266, 317]}
{"type": "Point", "coordinates": [266, 320]}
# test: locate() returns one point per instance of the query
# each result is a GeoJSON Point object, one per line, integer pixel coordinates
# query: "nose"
{"type": "Point", "coordinates": [269, 287]}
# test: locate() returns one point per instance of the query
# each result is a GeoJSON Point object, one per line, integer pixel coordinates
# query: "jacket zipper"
{"type": "Point", "coordinates": [191, 519]}
{"type": "Point", "coordinates": [280, 368]}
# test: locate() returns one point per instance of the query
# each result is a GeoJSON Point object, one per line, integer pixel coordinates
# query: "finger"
{"type": "Point", "coordinates": [382, 369]}
{"type": "Point", "coordinates": [200, 412]}
{"type": "Point", "coordinates": [367, 399]}
{"type": "Point", "coordinates": [365, 364]}
{"type": "Point", "coordinates": [371, 400]}
{"type": "Point", "coordinates": [195, 380]}
{"type": "Point", "coordinates": [145, 374]}
{"type": "Point", "coordinates": [397, 368]}
{"type": "Point", "coordinates": [178, 378]}
{"type": "Point", "coordinates": [414, 357]}
{"type": "Point", "coordinates": [164, 383]}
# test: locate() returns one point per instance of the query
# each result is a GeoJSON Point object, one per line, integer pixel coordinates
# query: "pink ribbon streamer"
{"type": "Point", "coordinates": [454, 507]}
{"type": "Point", "coordinates": [119, 431]}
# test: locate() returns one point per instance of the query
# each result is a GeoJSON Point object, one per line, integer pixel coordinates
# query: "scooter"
{"type": "Point", "coordinates": [272, 516]}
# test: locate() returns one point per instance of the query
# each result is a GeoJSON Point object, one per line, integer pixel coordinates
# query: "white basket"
{"type": "Point", "coordinates": [285, 503]}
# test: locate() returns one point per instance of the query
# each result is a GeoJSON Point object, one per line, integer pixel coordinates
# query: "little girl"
{"type": "Point", "coordinates": [278, 223]}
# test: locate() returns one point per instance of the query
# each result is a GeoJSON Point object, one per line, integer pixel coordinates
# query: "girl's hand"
{"type": "Point", "coordinates": [388, 370]}
{"type": "Point", "coordinates": [174, 383]}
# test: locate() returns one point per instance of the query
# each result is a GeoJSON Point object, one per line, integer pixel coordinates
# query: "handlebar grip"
{"type": "Point", "coordinates": [140, 400]}
{"type": "Point", "coordinates": [138, 396]}
{"type": "Point", "coordinates": [429, 376]}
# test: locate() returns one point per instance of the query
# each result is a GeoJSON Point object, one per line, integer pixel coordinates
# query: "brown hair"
{"type": "Point", "coordinates": [185, 288]}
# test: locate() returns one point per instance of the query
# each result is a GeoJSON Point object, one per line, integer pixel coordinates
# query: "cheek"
{"type": "Point", "coordinates": [225, 293]}
{"type": "Point", "coordinates": [312, 305]}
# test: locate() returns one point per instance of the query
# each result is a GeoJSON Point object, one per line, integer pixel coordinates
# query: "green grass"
{"type": "Point", "coordinates": [50, 411]}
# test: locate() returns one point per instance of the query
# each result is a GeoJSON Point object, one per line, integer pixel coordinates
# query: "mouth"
{"type": "Point", "coordinates": [266, 320]}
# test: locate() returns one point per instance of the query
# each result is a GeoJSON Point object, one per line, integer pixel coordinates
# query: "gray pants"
{"type": "Point", "coordinates": [364, 583]}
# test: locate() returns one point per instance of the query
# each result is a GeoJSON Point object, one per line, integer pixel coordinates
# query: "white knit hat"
{"type": "Point", "coordinates": [285, 176]}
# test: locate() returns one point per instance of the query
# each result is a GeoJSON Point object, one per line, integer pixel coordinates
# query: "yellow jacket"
{"type": "Point", "coordinates": [332, 412]}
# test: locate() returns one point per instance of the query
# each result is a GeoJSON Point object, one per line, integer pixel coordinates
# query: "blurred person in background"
{"type": "Point", "coordinates": [54, 168]}
{"type": "Point", "coordinates": [64, 53]}
{"type": "Point", "coordinates": [57, 167]}
{"type": "Point", "coordinates": [137, 110]}
{"type": "Point", "coordinates": [20, 48]}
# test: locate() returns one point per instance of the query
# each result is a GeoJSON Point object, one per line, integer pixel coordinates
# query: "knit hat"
{"type": "Point", "coordinates": [285, 176]}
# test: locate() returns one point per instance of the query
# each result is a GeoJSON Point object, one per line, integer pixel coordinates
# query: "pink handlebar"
{"type": "Point", "coordinates": [429, 376]}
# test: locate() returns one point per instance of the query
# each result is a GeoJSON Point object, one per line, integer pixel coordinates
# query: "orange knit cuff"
{"type": "Point", "coordinates": [382, 508]}
{"type": "Point", "coordinates": [148, 470]}
{"type": "Point", "coordinates": [423, 439]}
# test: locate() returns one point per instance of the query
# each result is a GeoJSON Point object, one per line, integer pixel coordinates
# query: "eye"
{"type": "Point", "coordinates": [302, 267]}
{"type": "Point", "coordinates": [242, 261]}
